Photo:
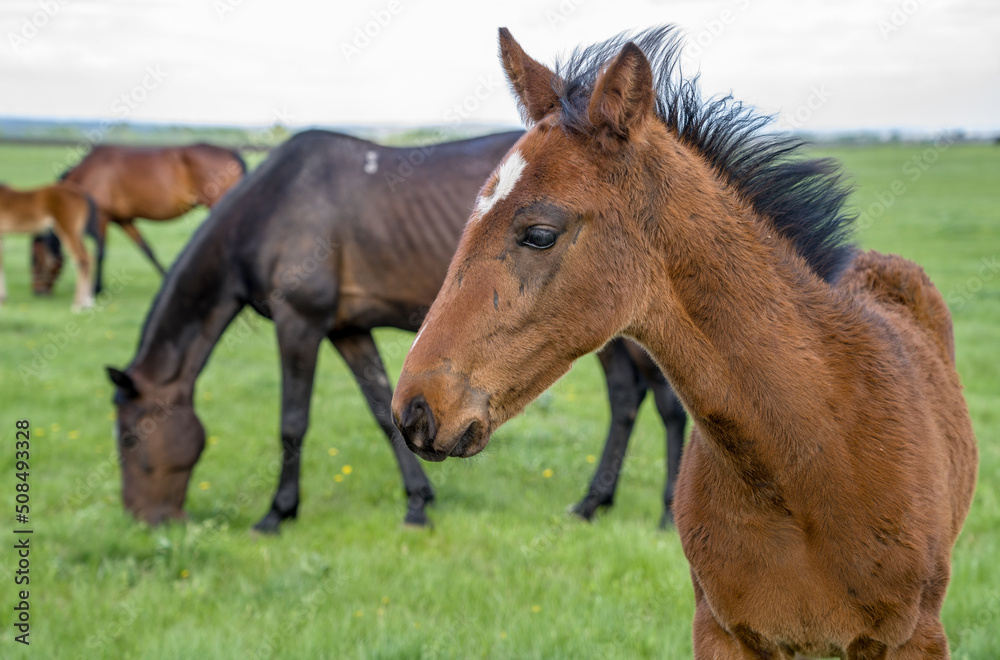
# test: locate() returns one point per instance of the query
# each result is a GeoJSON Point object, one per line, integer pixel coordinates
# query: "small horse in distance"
{"type": "Point", "coordinates": [832, 461]}
{"type": "Point", "coordinates": [330, 237]}
{"type": "Point", "coordinates": [153, 183]}
{"type": "Point", "coordinates": [61, 208]}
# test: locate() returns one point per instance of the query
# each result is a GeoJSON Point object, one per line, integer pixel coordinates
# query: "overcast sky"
{"type": "Point", "coordinates": [911, 64]}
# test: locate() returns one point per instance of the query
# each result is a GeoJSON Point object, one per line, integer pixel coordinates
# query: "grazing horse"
{"type": "Point", "coordinates": [155, 183]}
{"type": "Point", "coordinates": [61, 208]}
{"type": "Point", "coordinates": [330, 237]}
{"type": "Point", "coordinates": [832, 462]}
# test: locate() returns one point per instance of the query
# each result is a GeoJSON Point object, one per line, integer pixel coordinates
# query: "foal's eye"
{"type": "Point", "coordinates": [129, 440]}
{"type": "Point", "coordinates": [539, 237]}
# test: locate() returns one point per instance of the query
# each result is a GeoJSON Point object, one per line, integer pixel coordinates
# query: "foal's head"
{"type": "Point", "coordinates": [578, 231]}
{"type": "Point", "coordinates": [159, 441]}
{"type": "Point", "coordinates": [548, 265]}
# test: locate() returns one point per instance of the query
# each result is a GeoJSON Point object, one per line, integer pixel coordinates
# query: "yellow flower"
{"type": "Point", "coordinates": [30, 345]}
{"type": "Point", "coordinates": [347, 469]}
{"type": "Point", "coordinates": [109, 334]}
{"type": "Point", "coordinates": [385, 600]}
{"type": "Point", "coordinates": [207, 396]}
{"type": "Point", "coordinates": [332, 451]}
{"type": "Point", "coordinates": [503, 635]}
{"type": "Point", "coordinates": [185, 574]}
{"type": "Point", "coordinates": [204, 485]}
{"type": "Point", "coordinates": [40, 431]}
{"type": "Point", "coordinates": [536, 608]}
{"type": "Point", "coordinates": [338, 478]}
{"type": "Point", "coordinates": [111, 416]}
{"type": "Point", "coordinates": [73, 435]}
{"type": "Point", "coordinates": [591, 458]}
{"type": "Point", "coordinates": [547, 473]}
{"type": "Point", "coordinates": [213, 439]}
{"type": "Point", "coordinates": [55, 428]}
{"type": "Point", "coordinates": [359, 614]}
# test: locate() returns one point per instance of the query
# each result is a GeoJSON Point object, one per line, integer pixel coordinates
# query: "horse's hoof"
{"type": "Point", "coordinates": [417, 520]}
{"type": "Point", "coordinates": [583, 510]}
{"type": "Point", "coordinates": [269, 524]}
{"type": "Point", "coordinates": [77, 308]}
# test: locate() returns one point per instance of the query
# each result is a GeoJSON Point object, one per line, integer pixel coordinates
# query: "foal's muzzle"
{"type": "Point", "coordinates": [458, 428]}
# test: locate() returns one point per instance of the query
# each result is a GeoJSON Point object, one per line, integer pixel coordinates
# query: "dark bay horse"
{"type": "Point", "coordinates": [326, 239]}
{"type": "Point", "coordinates": [832, 462]}
{"type": "Point", "coordinates": [154, 183]}
{"type": "Point", "coordinates": [61, 208]}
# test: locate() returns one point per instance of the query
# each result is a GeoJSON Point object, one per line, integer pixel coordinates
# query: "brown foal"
{"type": "Point", "coordinates": [61, 208]}
{"type": "Point", "coordinates": [832, 462]}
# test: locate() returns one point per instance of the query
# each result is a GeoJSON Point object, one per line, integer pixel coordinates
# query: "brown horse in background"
{"type": "Point", "coordinates": [61, 208]}
{"type": "Point", "coordinates": [154, 183]}
{"type": "Point", "coordinates": [832, 462]}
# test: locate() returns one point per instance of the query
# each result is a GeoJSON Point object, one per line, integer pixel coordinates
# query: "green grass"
{"type": "Point", "coordinates": [504, 573]}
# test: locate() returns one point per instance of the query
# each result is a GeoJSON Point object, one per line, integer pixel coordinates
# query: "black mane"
{"type": "Point", "coordinates": [804, 198]}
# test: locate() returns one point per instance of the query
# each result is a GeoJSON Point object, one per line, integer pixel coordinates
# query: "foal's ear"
{"type": "Point", "coordinates": [530, 81]}
{"type": "Point", "coordinates": [623, 96]}
{"type": "Point", "coordinates": [124, 382]}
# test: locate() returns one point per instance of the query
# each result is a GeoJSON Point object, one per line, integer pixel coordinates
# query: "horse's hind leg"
{"type": "Point", "coordinates": [82, 299]}
{"type": "Point", "coordinates": [359, 351]}
{"type": "Point", "coordinates": [298, 344]}
{"type": "Point", "coordinates": [133, 233]}
{"type": "Point", "coordinates": [626, 391]}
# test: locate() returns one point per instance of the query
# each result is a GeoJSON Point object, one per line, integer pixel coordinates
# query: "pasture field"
{"type": "Point", "coordinates": [505, 572]}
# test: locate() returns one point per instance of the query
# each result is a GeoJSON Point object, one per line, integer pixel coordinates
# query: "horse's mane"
{"type": "Point", "coordinates": [804, 198]}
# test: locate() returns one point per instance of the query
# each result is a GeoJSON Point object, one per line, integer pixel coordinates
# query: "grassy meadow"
{"type": "Point", "coordinates": [505, 572]}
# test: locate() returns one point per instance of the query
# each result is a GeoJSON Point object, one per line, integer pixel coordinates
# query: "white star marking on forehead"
{"type": "Point", "coordinates": [507, 176]}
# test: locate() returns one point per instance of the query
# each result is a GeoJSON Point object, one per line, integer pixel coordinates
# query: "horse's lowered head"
{"type": "Point", "coordinates": [159, 441]}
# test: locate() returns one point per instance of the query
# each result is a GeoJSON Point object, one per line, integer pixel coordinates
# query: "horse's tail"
{"type": "Point", "coordinates": [91, 226]}
{"type": "Point", "coordinates": [239, 159]}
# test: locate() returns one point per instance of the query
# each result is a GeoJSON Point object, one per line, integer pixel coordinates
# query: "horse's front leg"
{"type": "Point", "coordinates": [298, 345]}
{"type": "Point", "coordinates": [359, 351]}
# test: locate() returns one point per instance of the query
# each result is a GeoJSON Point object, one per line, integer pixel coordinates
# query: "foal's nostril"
{"type": "Point", "coordinates": [417, 424]}
{"type": "Point", "coordinates": [462, 446]}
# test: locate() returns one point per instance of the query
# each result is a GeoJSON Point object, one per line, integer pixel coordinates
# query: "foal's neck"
{"type": "Point", "coordinates": [738, 322]}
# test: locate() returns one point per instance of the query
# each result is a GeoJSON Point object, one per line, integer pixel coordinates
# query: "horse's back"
{"type": "Point", "coordinates": [42, 208]}
{"type": "Point", "coordinates": [384, 220]}
{"type": "Point", "coordinates": [158, 183]}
